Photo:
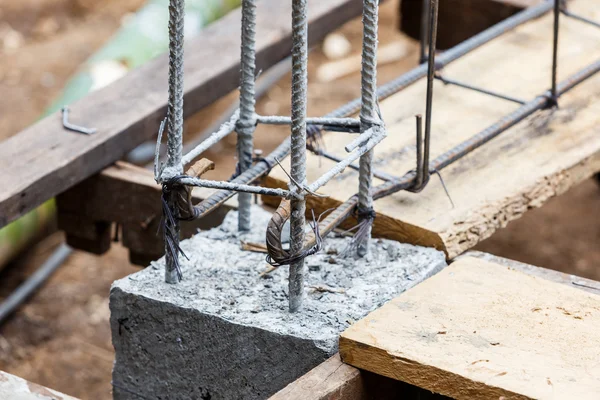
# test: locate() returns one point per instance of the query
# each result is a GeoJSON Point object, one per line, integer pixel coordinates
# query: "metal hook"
{"type": "Point", "coordinates": [72, 127]}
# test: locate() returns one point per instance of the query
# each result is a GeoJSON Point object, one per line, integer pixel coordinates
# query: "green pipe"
{"type": "Point", "coordinates": [141, 38]}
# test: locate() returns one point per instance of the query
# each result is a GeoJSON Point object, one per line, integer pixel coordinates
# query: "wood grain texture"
{"type": "Point", "coordinates": [127, 195]}
{"type": "Point", "coordinates": [330, 380]}
{"type": "Point", "coordinates": [537, 159]}
{"type": "Point", "coordinates": [44, 160]}
{"type": "Point", "coordinates": [480, 330]}
{"type": "Point", "coordinates": [13, 387]}
{"type": "Point", "coordinates": [327, 382]}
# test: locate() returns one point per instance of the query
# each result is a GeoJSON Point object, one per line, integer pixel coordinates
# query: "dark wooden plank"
{"type": "Point", "coordinates": [45, 160]}
{"type": "Point", "coordinates": [127, 195]}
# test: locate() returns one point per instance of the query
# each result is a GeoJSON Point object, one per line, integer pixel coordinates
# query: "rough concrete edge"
{"type": "Point", "coordinates": [327, 351]}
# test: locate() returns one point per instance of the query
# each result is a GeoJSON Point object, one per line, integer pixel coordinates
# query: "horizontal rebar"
{"type": "Point", "coordinates": [282, 120]}
{"type": "Point", "coordinates": [258, 170]}
{"type": "Point", "coordinates": [236, 187]}
{"type": "Point", "coordinates": [225, 129]}
{"type": "Point", "coordinates": [384, 176]}
{"type": "Point", "coordinates": [360, 140]}
{"type": "Point", "coordinates": [580, 18]}
{"type": "Point", "coordinates": [447, 81]}
{"type": "Point", "coordinates": [377, 134]}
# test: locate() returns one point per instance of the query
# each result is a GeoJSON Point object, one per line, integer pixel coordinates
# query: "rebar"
{"type": "Point", "coordinates": [403, 81]}
{"type": "Point", "coordinates": [359, 141]}
{"type": "Point", "coordinates": [433, 23]}
{"type": "Point", "coordinates": [555, 49]}
{"type": "Point", "coordinates": [368, 118]}
{"type": "Point", "coordinates": [227, 128]}
{"type": "Point", "coordinates": [237, 187]}
{"type": "Point", "coordinates": [72, 127]}
{"type": "Point", "coordinates": [298, 147]}
{"type": "Point", "coordinates": [175, 136]}
{"type": "Point", "coordinates": [374, 135]}
{"type": "Point", "coordinates": [447, 81]}
{"type": "Point", "coordinates": [281, 120]}
{"type": "Point", "coordinates": [246, 124]}
{"type": "Point", "coordinates": [423, 39]}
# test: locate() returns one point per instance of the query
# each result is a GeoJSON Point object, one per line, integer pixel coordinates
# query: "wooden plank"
{"type": "Point", "coordinates": [481, 330]}
{"type": "Point", "coordinates": [331, 379]}
{"type": "Point", "coordinates": [127, 195]}
{"type": "Point", "coordinates": [539, 158]}
{"type": "Point", "coordinates": [44, 160]}
{"type": "Point", "coordinates": [13, 387]}
{"type": "Point", "coordinates": [334, 380]}
{"type": "Point", "coordinates": [474, 17]}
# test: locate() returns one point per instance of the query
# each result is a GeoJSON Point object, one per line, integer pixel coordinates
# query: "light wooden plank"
{"type": "Point", "coordinates": [480, 330]}
{"type": "Point", "coordinates": [44, 160]}
{"type": "Point", "coordinates": [539, 158]}
{"type": "Point", "coordinates": [13, 387]}
{"type": "Point", "coordinates": [332, 379]}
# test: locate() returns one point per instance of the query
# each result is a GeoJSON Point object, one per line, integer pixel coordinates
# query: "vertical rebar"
{"type": "Point", "coordinates": [298, 146]}
{"type": "Point", "coordinates": [246, 123]}
{"type": "Point", "coordinates": [424, 29]}
{"type": "Point", "coordinates": [433, 24]}
{"type": "Point", "coordinates": [175, 129]}
{"type": "Point", "coordinates": [555, 50]}
{"type": "Point", "coordinates": [368, 117]}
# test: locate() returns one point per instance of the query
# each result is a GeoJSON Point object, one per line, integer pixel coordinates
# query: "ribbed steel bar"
{"type": "Point", "coordinates": [175, 134]}
{"type": "Point", "coordinates": [368, 119]}
{"type": "Point", "coordinates": [298, 147]}
{"type": "Point", "coordinates": [281, 120]}
{"type": "Point", "coordinates": [258, 170]}
{"type": "Point", "coordinates": [225, 129]}
{"type": "Point", "coordinates": [360, 140]}
{"type": "Point", "coordinates": [247, 122]}
{"type": "Point", "coordinates": [376, 135]}
{"type": "Point", "coordinates": [210, 184]}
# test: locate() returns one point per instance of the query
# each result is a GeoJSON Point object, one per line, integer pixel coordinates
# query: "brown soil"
{"type": "Point", "coordinates": [61, 337]}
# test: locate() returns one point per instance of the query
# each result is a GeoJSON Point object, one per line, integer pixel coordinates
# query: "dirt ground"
{"type": "Point", "coordinates": [61, 337]}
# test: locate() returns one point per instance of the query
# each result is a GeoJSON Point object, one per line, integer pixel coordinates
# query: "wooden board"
{"type": "Point", "coordinates": [44, 160]}
{"type": "Point", "coordinates": [539, 158]}
{"type": "Point", "coordinates": [481, 330]}
{"type": "Point", "coordinates": [330, 380]}
{"type": "Point", "coordinates": [13, 387]}
{"type": "Point", "coordinates": [127, 195]}
{"type": "Point", "coordinates": [333, 379]}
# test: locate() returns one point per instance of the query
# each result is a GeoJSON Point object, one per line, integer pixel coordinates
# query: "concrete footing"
{"type": "Point", "coordinates": [225, 331]}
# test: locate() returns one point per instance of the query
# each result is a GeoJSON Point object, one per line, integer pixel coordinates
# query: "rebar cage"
{"type": "Point", "coordinates": [369, 129]}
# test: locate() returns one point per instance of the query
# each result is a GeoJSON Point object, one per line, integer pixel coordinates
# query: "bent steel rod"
{"type": "Point", "coordinates": [405, 182]}
{"type": "Point", "coordinates": [283, 150]}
